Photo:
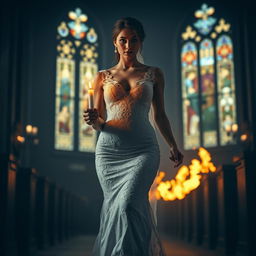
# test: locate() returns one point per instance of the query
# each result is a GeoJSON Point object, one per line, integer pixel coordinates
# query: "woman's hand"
{"type": "Point", "coordinates": [176, 156]}
{"type": "Point", "coordinates": [90, 115]}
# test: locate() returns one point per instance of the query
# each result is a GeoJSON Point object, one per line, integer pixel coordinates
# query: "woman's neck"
{"type": "Point", "coordinates": [128, 64]}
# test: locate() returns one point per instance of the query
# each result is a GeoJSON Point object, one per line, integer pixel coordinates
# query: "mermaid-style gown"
{"type": "Point", "coordinates": [127, 158]}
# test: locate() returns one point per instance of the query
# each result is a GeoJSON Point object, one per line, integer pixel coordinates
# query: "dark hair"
{"type": "Point", "coordinates": [131, 23]}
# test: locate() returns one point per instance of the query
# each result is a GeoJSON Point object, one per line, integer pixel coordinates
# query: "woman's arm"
{"type": "Point", "coordinates": [160, 116]}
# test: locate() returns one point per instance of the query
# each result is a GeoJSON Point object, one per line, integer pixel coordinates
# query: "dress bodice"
{"type": "Point", "coordinates": [128, 109]}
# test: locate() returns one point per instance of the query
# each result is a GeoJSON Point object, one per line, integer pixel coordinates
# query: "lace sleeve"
{"type": "Point", "coordinates": [107, 76]}
{"type": "Point", "coordinates": [103, 72]}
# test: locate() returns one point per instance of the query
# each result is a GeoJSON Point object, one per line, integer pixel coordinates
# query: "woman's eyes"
{"type": "Point", "coordinates": [124, 40]}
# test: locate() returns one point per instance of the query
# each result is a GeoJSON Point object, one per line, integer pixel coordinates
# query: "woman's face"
{"type": "Point", "coordinates": [127, 43]}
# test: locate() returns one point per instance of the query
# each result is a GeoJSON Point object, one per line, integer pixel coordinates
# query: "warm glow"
{"type": "Point", "coordinates": [20, 139]}
{"type": "Point", "coordinates": [243, 137]}
{"type": "Point", "coordinates": [187, 179]}
{"type": "Point", "coordinates": [34, 130]}
{"type": "Point", "coordinates": [29, 128]}
{"type": "Point", "coordinates": [234, 127]}
{"type": "Point", "coordinates": [90, 92]}
{"type": "Point", "coordinates": [34, 171]}
{"type": "Point", "coordinates": [228, 128]}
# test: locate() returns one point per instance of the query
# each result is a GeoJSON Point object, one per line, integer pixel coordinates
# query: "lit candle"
{"type": "Point", "coordinates": [228, 127]}
{"type": "Point", "coordinates": [34, 130]}
{"type": "Point", "coordinates": [243, 137]}
{"type": "Point", "coordinates": [29, 128]}
{"type": "Point", "coordinates": [90, 92]}
{"type": "Point", "coordinates": [234, 127]}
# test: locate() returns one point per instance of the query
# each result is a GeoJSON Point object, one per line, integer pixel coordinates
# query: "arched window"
{"type": "Point", "coordinates": [76, 66]}
{"type": "Point", "coordinates": [208, 84]}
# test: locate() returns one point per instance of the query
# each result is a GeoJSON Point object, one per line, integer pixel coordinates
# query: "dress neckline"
{"type": "Point", "coordinates": [146, 76]}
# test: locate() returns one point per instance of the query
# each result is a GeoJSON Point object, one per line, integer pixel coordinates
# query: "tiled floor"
{"type": "Point", "coordinates": [82, 246]}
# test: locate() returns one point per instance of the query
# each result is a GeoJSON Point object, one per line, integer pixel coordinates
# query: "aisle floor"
{"type": "Point", "coordinates": [82, 246]}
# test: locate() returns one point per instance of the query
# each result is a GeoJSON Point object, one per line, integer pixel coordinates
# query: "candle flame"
{"type": "Point", "coordinates": [90, 90]}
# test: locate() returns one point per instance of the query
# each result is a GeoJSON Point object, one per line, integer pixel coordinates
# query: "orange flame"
{"type": "Point", "coordinates": [187, 179]}
{"type": "Point", "coordinates": [20, 139]}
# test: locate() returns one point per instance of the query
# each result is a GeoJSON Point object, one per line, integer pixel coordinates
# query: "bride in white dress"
{"type": "Point", "coordinates": [127, 154]}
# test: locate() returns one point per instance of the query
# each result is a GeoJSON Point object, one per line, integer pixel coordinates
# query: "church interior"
{"type": "Point", "coordinates": [50, 196]}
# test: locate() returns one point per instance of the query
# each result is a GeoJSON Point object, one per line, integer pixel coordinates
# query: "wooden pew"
{"type": "Point", "coordinates": [188, 220]}
{"type": "Point", "coordinates": [35, 212]}
{"type": "Point", "coordinates": [4, 166]}
{"type": "Point", "coordinates": [227, 209]}
{"type": "Point", "coordinates": [25, 211]}
{"type": "Point", "coordinates": [209, 187]}
{"type": "Point", "coordinates": [53, 214]}
{"type": "Point", "coordinates": [41, 215]}
{"type": "Point", "coordinates": [11, 230]}
{"type": "Point", "coordinates": [246, 187]}
{"type": "Point", "coordinates": [198, 215]}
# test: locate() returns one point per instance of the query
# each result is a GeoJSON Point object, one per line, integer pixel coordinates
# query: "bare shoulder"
{"type": "Point", "coordinates": [110, 69]}
{"type": "Point", "coordinates": [99, 78]}
{"type": "Point", "coordinates": [101, 73]}
{"type": "Point", "coordinates": [158, 74]}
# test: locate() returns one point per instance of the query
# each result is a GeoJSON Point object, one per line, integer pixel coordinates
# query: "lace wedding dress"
{"type": "Point", "coordinates": [127, 158]}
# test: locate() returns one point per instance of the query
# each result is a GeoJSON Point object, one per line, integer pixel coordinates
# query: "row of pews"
{"type": "Point", "coordinates": [36, 213]}
{"type": "Point", "coordinates": [220, 214]}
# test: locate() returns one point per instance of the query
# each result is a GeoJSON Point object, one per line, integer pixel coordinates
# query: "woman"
{"type": "Point", "coordinates": [127, 154]}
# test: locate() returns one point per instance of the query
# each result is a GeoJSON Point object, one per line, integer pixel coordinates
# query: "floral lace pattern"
{"type": "Point", "coordinates": [127, 158]}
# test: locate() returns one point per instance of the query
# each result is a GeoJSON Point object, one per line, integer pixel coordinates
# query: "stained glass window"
{"type": "Point", "coordinates": [76, 66]}
{"type": "Point", "coordinates": [208, 83]}
{"type": "Point", "coordinates": [87, 135]}
{"type": "Point", "coordinates": [226, 87]}
{"type": "Point", "coordinates": [190, 95]}
{"type": "Point", "coordinates": [64, 115]}
{"type": "Point", "coordinates": [208, 106]}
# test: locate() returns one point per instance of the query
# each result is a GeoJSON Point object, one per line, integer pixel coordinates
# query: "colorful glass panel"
{"type": "Point", "coordinates": [191, 131]}
{"type": "Point", "coordinates": [64, 111]}
{"type": "Point", "coordinates": [226, 90]}
{"type": "Point", "coordinates": [87, 135]}
{"type": "Point", "coordinates": [208, 106]}
{"type": "Point", "coordinates": [77, 45]}
{"type": "Point", "coordinates": [216, 83]}
{"type": "Point", "coordinates": [77, 26]}
{"type": "Point", "coordinates": [205, 22]}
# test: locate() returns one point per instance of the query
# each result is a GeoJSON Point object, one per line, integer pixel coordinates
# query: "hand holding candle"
{"type": "Point", "coordinates": [90, 92]}
{"type": "Point", "coordinates": [90, 114]}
